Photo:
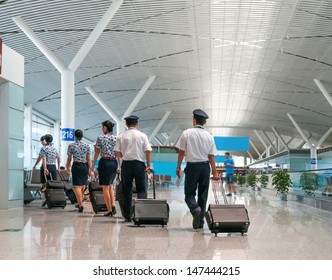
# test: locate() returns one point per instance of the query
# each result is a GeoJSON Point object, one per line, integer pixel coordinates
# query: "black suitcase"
{"type": "Point", "coordinates": [225, 218]}
{"type": "Point", "coordinates": [55, 194]}
{"type": "Point", "coordinates": [70, 193]}
{"type": "Point", "coordinates": [119, 193]}
{"type": "Point", "coordinates": [150, 211]}
{"type": "Point", "coordinates": [69, 188]}
{"type": "Point", "coordinates": [97, 197]}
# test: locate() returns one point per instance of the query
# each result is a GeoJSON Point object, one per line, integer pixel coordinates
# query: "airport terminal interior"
{"type": "Point", "coordinates": [260, 69]}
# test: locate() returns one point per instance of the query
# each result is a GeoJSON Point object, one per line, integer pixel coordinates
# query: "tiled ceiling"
{"type": "Point", "coordinates": [247, 63]}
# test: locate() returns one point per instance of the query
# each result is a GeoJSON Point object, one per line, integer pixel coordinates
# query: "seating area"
{"type": "Point", "coordinates": [163, 180]}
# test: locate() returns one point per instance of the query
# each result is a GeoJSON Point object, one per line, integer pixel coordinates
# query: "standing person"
{"type": "Point", "coordinates": [198, 147]}
{"type": "Point", "coordinates": [49, 156]}
{"type": "Point", "coordinates": [107, 166]}
{"type": "Point", "coordinates": [79, 152]}
{"type": "Point", "coordinates": [42, 142]}
{"type": "Point", "coordinates": [229, 169]}
{"type": "Point", "coordinates": [131, 146]}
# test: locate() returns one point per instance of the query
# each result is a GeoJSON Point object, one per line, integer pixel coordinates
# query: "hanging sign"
{"type": "Point", "coordinates": [313, 160]}
{"type": "Point", "coordinates": [67, 134]}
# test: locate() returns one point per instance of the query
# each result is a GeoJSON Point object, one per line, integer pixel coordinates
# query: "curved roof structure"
{"type": "Point", "coordinates": [247, 63]}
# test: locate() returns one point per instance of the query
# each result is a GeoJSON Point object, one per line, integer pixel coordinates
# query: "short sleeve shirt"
{"type": "Point", "coordinates": [229, 169]}
{"type": "Point", "coordinates": [197, 144]}
{"type": "Point", "coordinates": [133, 144]}
{"type": "Point", "coordinates": [106, 144]}
{"type": "Point", "coordinates": [79, 151]}
{"type": "Point", "coordinates": [50, 152]}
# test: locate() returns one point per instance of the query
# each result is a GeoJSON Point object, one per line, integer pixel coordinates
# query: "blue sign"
{"type": "Point", "coordinates": [313, 160]}
{"type": "Point", "coordinates": [67, 134]}
{"type": "Point", "coordinates": [231, 143]}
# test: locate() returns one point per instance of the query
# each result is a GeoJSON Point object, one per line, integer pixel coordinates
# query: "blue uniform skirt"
{"type": "Point", "coordinates": [107, 171]}
{"type": "Point", "coordinates": [80, 172]}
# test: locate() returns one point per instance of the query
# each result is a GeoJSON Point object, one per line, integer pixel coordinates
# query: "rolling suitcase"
{"type": "Point", "coordinates": [97, 197]}
{"type": "Point", "coordinates": [69, 188]}
{"type": "Point", "coordinates": [119, 193]}
{"type": "Point", "coordinates": [55, 194]}
{"type": "Point", "coordinates": [224, 217]}
{"type": "Point", "coordinates": [150, 211]}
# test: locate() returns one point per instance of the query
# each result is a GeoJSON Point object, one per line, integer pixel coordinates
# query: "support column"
{"type": "Point", "coordinates": [27, 137]}
{"type": "Point", "coordinates": [67, 112]}
{"type": "Point", "coordinates": [67, 73]}
{"type": "Point", "coordinates": [57, 136]}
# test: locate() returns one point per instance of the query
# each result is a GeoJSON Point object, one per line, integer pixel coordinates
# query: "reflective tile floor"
{"type": "Point", "coordinates": [278, 230]}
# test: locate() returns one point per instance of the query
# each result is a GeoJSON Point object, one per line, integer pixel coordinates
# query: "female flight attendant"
{"type": "Point", "coordinates": [107, 166]}
{"type": "Point", "coordinates": [79, 152]}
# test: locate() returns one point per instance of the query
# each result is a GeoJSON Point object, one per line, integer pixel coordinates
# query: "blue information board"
{"type": "Point", "coordinates": [231, 143]}
{"type": "Point", "coordinates": [67, 134]}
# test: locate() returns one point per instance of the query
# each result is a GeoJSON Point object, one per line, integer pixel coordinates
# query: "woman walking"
{"type": "Point", "coordinates": [79, 152]}
{"type": "Point", "coordinates": [107, 166]}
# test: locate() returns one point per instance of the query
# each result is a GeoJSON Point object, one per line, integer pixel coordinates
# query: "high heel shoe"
{"type": "Point", "coordinates": [80, 209]}
{"type": "Point", "coordinates": [108, 214]}
{"type": "Point", "coordinates": [113, 210]}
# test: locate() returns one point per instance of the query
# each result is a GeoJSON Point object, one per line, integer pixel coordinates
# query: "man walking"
{"type": "Point", "coordinates": [131, 146]}
{"type": "Point", "coordinates": [198, 147]}
{"type": "Point", "coordinates": [229, 169]}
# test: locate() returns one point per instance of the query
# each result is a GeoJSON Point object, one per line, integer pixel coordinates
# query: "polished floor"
{"type": "Point", "coordinates": [278, 230]}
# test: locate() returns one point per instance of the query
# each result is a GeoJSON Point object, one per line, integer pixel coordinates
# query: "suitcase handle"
{"type": "Point", "coordinates": [215, 193]}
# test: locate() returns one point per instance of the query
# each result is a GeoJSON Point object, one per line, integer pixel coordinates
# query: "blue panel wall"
{"type": "Point", "coordinates": [165, 168]}
{"type": "Point", "coordinates": [232, 143]}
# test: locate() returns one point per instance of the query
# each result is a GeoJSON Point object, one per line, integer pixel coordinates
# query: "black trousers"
{"type": "Point", "coordinates": [197, 180]}
{"type": "Point", "coordinates": [130, 170]}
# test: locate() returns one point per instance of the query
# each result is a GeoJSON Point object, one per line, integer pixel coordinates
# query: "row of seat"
{"type": "Point", "coordinates": [163, 180]}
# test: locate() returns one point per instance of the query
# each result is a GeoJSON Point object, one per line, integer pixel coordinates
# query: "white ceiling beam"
{"type": "Point", "coordinates": [169, 138]}
{"type": "Point", "coordinates": [160, 124]}
{"type": "Point", "coordinates": [39, 44]}
{"type": "Point", "coordinates": [322, 139]}
{"type": "Point", "coordinates": [94, 35]}
{"type": "Point", "coordinates": [271, 144]}
{"type": "Point", "coordinates": [276, 132]}
{"type": "Point", "coordinates": [305, 138]}
{"type": "Point", "coordinates": [119, 123]}
{"type": "Point", "coordinates": [138, 97]}
{"type": "Point", "coordinates": [324, 91]}
{"type": "Point", "coordinates": [252, 144]}
{"type": "Point", "coordinates": [260, 138]}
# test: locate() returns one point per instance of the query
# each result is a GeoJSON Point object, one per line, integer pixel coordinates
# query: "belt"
{"type": "Point", "coordinates": [109, 158]}
{"type": "Point", "coordinates": [79, 162]}
{"type": "Point", "coordinates": [198, 162]}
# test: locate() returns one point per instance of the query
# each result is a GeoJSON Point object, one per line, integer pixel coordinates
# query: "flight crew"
{"type": "Point", "coordinates": [198, 147]}
{"type": "Point", "coordinates": [108, 165]}
{"type": "Point", "coordinates": [42, 176]}
{"type": "Point", "coordinates": [49, 156]}
{"type": "Point", "coordinates": [79, 152]}
{"type": "Point", "coordinates": [133, 147]}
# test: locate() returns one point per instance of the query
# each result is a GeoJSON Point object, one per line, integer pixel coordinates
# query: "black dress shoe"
{"type": "Point", "coordinates": [44, 203]}
{"type": "Point", "coordinates": [108, 214]}
{"type": "Point", "coordinates": [113, 210]}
